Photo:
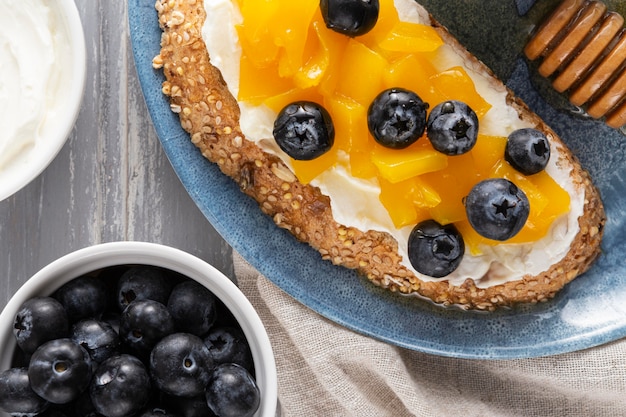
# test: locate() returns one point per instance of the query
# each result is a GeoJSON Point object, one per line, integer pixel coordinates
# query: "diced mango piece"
{"type": "Point", "coordinates": [410, 38]}
{"type": "Point", "coordinates": [361, 165]}
{"type": "Point", "coordinates": [454, 183]}
{"type": "Point", "coordinates": [351, 133]}
{"type": "Point", "coordinates": [456, 84]}
{"type": "Point", "coordinates": [406, 201]}
{"type": "Point", "coordinates": [387, 18]}
{"type": "Point", "coordinates": [323, 47]}
{"type": "Point", "coordinates": [290, 34]}
{"type": "Point", "coordinates": [254, 32]}
{"type": "Point", "coordinates": [306, 171]}
{"type": "Point", "coordinates": [559, 200]}
{"type": "Point", "coordinates": [471, 238]}
{"type": "Point", "coordinates": [278, 102]}
{"type": "Point", "coordinates": [428, 197]}
{"type": "Point", "coordinates": [396, 166]}
{"type": "Point", "coordinates": [488, 151]}
{"type": "Point", "coordinates": [412, 72]}
{"type": "Point", "coordinates": [362, 70]}
{"type": "Point", "coordinates": [252, 91]}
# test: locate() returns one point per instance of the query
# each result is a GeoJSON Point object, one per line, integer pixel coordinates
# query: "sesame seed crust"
{"type": "Point", "coordinates": [207, 110]}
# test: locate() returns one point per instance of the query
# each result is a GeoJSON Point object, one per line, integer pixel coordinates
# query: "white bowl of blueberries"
{"type": "Point", "coordinates": [134, 329]}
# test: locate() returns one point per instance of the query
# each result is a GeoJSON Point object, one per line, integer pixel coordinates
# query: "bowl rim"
{"type": "Point", "coordinates": [64, 121]}
{"type": "Point", "coordinates": [98, 256]}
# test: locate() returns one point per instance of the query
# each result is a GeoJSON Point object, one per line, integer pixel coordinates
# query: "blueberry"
{"type": "Point", "coordinates": [98, 338]}
{"type": "Point", "coordinates": [16, 396]}
{"type": "Point", "coordinates": [350, 17]}
{"type": "Point", "coordinates": [59, 371]}
{"type": "Point", "coordinates": [188, 406]}
{"type": "Point", "coordinates": [83, 297]}
{"type": "Point", "coordinates": [120, 386]}
{"type": "Point", "coordinates": [223, 316]}
{"type": "Point", "coordinates": [527, 150]}
{"type": "Point", "coordinates": [232, 392]}
{"type": "Point", "coordinates": [143, 283]}
{"type": "Point", "coordinates": [435, 250]}
{"type": "Point", "coordinates": [80, 407]}
{"type": "Point", "coordinates": [39, 320]}
{"type": "Point", "coordinates": [143, 323]}
{"type": "Point", "coordinates": [157, 412]}
{"type": "Point", "coordinates": [397, 118]}
{"type": "Point", "coordinates": [193, 307]}
{"type": "Point", "coordinates": [229, 345]}
{"type": "Point", "coordinates": [497, 209]}
{"type": "Point", "coordinates": [452, 127]}
{"type": "Point", "coordinates": [180, 364]}
{"type": "Point", "coordinates": [53, 412]}
{"type": "Point", "coordinates": [304, 130]}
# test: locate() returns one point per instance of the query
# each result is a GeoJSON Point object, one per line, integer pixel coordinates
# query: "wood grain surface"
{"type": "Point", "coordinates": [112, 180]}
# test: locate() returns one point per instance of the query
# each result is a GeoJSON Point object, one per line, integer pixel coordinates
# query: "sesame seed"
{"type": "Point", "coordinates": [283, 172]}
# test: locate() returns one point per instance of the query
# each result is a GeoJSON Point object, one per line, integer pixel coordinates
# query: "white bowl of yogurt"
{"type": "Point", "coordinates": [42, 51]}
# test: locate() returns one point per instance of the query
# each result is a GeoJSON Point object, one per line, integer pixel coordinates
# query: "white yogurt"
{"type": "Point", "coordinates": [37, 67]}
{"type": "Point", "coordinates": [496, 264]}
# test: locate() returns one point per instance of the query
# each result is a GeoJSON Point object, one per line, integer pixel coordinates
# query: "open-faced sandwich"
{"type": "Point", "coordinates": [367, 130]}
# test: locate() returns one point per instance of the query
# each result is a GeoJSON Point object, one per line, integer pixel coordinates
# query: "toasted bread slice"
{"type": "Point", "coordinates": [211, 114]}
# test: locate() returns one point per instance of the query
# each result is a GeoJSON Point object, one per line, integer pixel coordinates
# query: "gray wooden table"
{"type": "Point", "coordinates": [111, 181]}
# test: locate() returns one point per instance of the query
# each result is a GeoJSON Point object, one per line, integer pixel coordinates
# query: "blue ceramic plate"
{"type": "Point", "coordinates": [588, 312]}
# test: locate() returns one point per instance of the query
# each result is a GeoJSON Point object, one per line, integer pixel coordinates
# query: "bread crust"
{"type": "Point", "coordinates": [210, 114]}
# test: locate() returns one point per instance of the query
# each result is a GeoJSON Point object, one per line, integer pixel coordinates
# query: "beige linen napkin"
{"type": "Point", "coordinates": [327, 370]}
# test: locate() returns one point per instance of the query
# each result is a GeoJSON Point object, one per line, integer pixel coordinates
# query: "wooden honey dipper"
{"type": "Point", "coordinates": [582, 47]}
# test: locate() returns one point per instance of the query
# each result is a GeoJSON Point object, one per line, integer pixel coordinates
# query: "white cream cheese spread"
{"type": "Point", "coordinates": [34, 54]}
{"type": "Point", "coordinates": [496, 264]}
